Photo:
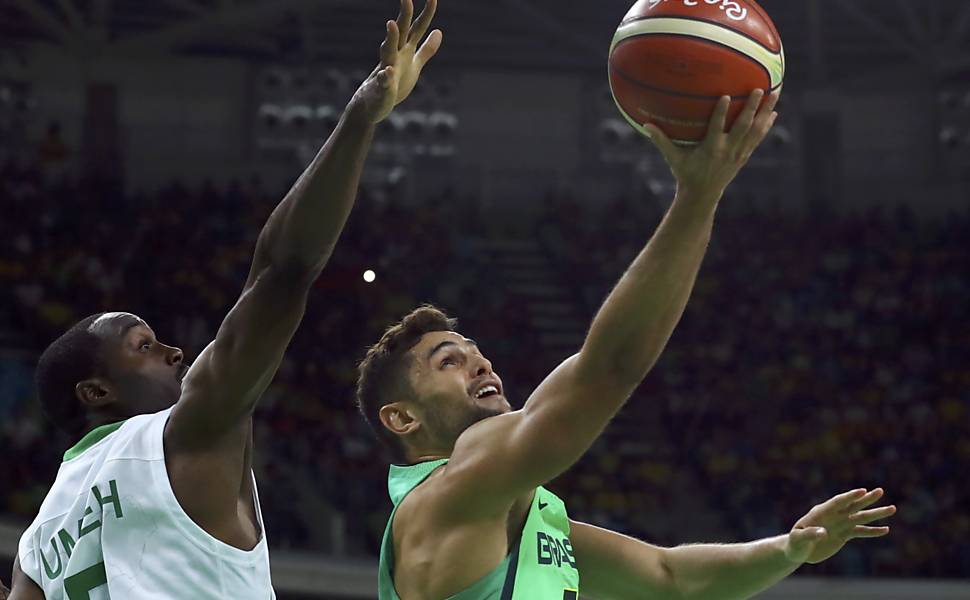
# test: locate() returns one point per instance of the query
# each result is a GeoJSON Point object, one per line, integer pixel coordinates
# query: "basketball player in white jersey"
{"type": "Point", "coordinates": [157, 499]}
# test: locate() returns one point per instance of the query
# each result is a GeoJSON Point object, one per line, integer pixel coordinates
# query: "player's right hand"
{"type": "Point", "coordinates": [402, 60]}
{"type": "Point", "coordinates": [708, 168]}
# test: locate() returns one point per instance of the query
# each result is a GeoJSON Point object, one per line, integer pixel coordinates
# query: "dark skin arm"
{"type": "Point", "coordinates": [23, 587]}
{"type": "Point", "coordinates": [208, 438]}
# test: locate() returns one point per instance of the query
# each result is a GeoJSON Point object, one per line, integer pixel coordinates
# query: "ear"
{"type": "Point", "coordinates": [399, 418]}
{"type": "Point", "coordinates": [94, 393]}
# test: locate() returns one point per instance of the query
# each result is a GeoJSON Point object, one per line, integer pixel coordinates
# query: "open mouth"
{"type": "Point", "coordinates": [486, 390]}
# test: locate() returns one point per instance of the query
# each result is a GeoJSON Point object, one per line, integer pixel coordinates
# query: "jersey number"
{"type": "Point", "coordinates": [81, 583]}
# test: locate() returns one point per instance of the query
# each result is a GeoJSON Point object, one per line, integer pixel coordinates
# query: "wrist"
{"type": "Point", "coordinates": [701, 195]}
{"type": "Point", "coordinates": [698, 203]}
{"type": "Point", "coordinates": [792, 555]}
{"type": "Point", "coordinates": [357, 117]}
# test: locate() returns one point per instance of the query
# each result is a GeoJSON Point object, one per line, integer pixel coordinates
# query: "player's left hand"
{"type": "Point", "coordinates": [403, 57]}
{"type": "Point", "coordinates": [707, 168]}
{"type": "Point", "coordinates": [828, 526]}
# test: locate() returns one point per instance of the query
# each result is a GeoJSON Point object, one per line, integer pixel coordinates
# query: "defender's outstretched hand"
{"type": "Point", "coordinates": [828, 526]}
{"type": "Point", "coordinates": [402, 60]}
{"type": "Point", "coordinates": [709, 167]}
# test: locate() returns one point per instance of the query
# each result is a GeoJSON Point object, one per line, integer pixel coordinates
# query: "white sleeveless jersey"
{"type": "Point", "coordinates": [110, 527]}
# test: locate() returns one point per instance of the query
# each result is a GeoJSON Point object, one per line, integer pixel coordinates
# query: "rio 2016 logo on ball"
{"type": "Point", "coordinates": [671, 60]}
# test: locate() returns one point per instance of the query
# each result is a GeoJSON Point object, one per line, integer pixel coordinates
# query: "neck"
{"type": "Point", "coordinates": [420, 457]}
{"type": "Point", "coordinates": [95, 420]}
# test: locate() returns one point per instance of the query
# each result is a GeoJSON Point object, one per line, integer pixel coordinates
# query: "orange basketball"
{"type": "Point", "coordinates": [671, 60]}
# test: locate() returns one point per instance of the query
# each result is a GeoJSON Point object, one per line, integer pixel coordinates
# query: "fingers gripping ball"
{"type": "Point", "coordinates": [671, 60]}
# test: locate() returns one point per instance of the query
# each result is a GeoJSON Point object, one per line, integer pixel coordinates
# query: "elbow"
{"type": "Point", "coordinates": [634, 359]}
{"type": "Point", "coordinates": [622, 370]}
{"type": "Point", "coordinates": [623, 361]}
{"type": "Point", "coordinates": [630, 370]}
{"type": "Point", "coordinates": [674, 588]}
{"type": "Point", "coordinates": [598, 374]}
{"type": "Point", "coordinates": [288, 274]}
{"type": "Point", "coordinates": [285, 263]}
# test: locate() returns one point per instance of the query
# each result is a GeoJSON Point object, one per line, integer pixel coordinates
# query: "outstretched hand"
{"type": "Point", "coordinates": [710, 166]}
{"type": "Point", "coordinates": [828, 526]}
{"type": "Point", "coordinates": [4, 591]}
{"type": "Point", "coordinates": [402, 60]}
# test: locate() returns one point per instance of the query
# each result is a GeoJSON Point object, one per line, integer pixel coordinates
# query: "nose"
{"type": "Point", "coordinates": [482, 366]}
{"type": "Point", "coordinates": [174, 356]}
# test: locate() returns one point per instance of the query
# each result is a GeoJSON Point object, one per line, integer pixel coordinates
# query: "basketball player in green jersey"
{"type": "Point", "coordinates": [157, 500]}
{"type": "Point", "coordinates": [471, 520]}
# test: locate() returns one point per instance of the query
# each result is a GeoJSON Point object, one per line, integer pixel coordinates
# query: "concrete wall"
{"type": "Point", "coordinates": [889, 123]}
{"type": "Point", "coordinates": [519, 131]}
{"type": "Point", "coordinates": [181, 116]}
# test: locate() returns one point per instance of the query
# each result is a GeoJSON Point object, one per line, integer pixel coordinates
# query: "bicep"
{"type": "Point", "coordinates": [613, 566]}
{"type": "Point", "coordinates": [504, 457]}
{"type": "Point", "coordinates": [569, 410]}
{"type": "Point", "coordinates": [222, 387]}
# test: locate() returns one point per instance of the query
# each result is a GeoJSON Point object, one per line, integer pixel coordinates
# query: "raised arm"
{"type": "Point", "coordinates": [571, 407]}
{"type": "Point", "coordinates": [224, 384]}
{"type": "Point", "coordinates": [617, 567]}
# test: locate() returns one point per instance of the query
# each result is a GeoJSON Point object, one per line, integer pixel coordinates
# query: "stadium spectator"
{"type": "Point", "coordinates": [818, 353]}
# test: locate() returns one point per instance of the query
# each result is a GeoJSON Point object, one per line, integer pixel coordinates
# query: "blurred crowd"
{"type": "Point", "coordinates": [178, 258]}
{"type": "Point", "coordinates": [819, 353]}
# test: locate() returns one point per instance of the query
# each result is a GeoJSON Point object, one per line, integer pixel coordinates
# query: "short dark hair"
{"type": "Point", "coordinates": [382, 373]}
{"type": "Point", "coordinates": [70, 359]}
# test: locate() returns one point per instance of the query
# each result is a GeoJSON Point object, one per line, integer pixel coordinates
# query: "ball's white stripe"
{"type": "Point", "coordinates": [773, 63]}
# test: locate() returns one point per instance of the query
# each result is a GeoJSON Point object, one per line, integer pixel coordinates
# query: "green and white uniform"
{"type": "Point", "coordinates": [540, 566]}
{"type": "Point", "coordinates": [110, 527]}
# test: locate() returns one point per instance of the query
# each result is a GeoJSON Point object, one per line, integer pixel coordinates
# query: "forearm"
{"type": "Point", "coordinates": [304, 227]}
{"type": "Point", "coordinates": [618, 567]}
{"type": "Point", "coordinates": [729, 572]}
{"type": "Point", "coordinates": [638, 317]}
{"type": "Point", "coordinates": [636, 320]}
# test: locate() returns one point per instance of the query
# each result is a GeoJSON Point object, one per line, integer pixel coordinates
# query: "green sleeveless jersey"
{"type": "Point", "coordinates": [540, 566]}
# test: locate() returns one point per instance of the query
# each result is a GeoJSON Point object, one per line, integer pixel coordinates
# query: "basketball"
{"type": "Point", "coordinates": [671, 60]}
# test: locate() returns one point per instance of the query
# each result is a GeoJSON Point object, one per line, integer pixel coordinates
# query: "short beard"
{"type": "Point", "coordinates": [450, 427]}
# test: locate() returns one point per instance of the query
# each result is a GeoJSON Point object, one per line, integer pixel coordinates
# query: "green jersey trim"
{"type": "Point", "coordinates": [91, 438]}
{"type": "Point", "coordinates": [508, 589]}
{"type": "Point", "coordinates": [540, 564]}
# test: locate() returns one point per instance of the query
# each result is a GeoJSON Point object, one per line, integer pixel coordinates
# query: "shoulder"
{"type": "Point", "coordinates": [425, 498]}
{"type": "Point", "coordinates": [428, 525]}
{"type": "Point", "coordinates": [141, 437]}
{"type": "Point", "coordinates": [479, 446]}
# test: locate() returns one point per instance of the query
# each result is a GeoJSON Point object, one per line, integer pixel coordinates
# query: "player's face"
{"type": "Point", "coordinates": [455, 385]}
{"type": "Point", "coordinates": [146, 373]}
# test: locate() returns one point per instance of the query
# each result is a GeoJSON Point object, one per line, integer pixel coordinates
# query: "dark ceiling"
{"type": "Point", "coordinates": [824, 39]}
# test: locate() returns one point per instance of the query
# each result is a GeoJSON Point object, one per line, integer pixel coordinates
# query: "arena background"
{"type": "Point", "coordinates": [826, 346]}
